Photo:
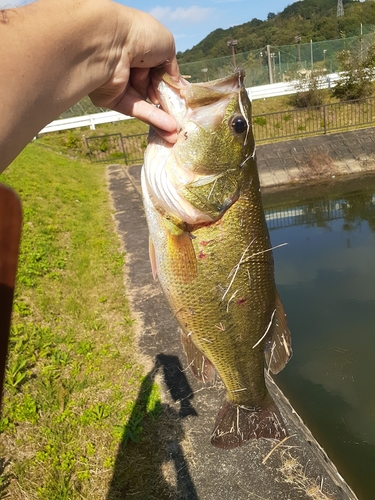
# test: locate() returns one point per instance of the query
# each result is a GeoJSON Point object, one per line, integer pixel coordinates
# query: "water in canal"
{"type": "Point", "coordinates": [326, 279]}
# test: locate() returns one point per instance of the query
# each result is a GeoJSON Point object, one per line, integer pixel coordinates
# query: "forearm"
{"type": "Point", "coordinates": [50, 58]}
{"type": "Point", "coordinates": [53, 52]}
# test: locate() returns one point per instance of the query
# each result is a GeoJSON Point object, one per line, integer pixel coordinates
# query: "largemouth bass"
{"type": "Point", "coordinates": [210, 248]}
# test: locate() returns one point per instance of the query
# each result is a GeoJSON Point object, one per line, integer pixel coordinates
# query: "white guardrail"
{"type": "Point", "coordinates": [260, 92]}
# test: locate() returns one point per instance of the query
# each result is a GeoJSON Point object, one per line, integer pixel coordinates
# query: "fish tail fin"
{"type": "Point", "coordinates": [236, 424]}
{"type": "Point", "coordinates": [199, 364]}
{"type": "Point", "coordinates": [278, 349]}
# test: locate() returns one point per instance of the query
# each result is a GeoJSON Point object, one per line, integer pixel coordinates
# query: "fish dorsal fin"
{"type": "Point", "coordinates": [182, 260]}
{"type": "Point", "coordinates": [278, 350]}
{"type": "Point", "coordinates": [201, 367]}
{"type": "Point", "coordinates": [151, 251]}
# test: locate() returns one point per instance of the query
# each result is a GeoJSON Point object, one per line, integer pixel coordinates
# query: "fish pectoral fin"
{"type": "Point", "coordinates": [199, 364]}
{"type": "Point", "coordinates": [278, 349]}
{"type": "Point", "coordinates": [237, 424]}
{"type": "Point", "coordinates": [182, 260]}
{"type": "Point", "coordinates": [151, 251]}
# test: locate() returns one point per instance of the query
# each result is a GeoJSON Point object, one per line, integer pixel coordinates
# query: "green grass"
{"type": "Point", "coordinates": [284, 125]}
{"type": "Point", "coordinates": [73, 389]}
{"type": "Point", "coordinates": [72, 142]}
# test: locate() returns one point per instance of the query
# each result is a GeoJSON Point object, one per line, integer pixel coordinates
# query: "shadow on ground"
{"type": "Point", "coordinates": [150, 462]}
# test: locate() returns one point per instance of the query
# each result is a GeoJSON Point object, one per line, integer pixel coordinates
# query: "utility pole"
{"type": "Point", "coordinates": [340, 8]}
{"type": "Point", "coordinates": [298, 42]}
{"type": "Point", "coordinates": [231, 44]}
{"type": "Point", "coordinates": [270, 72]}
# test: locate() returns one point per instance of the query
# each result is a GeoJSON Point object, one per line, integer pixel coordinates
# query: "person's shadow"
{"type": "Point", "coordinates": [150, 462]}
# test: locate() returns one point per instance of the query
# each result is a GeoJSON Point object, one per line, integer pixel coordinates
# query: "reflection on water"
{"type": "Point", "coordinates": [326, 278]}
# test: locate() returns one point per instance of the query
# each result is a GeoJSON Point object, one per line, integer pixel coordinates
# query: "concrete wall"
{"type": "Point", "coordinates": [318, 157]}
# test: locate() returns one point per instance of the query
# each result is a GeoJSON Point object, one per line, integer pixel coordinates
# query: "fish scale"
{"type": "Point", "coordinates": [218, 275]}
{"type": "Point", "coordinates": [243, 321]}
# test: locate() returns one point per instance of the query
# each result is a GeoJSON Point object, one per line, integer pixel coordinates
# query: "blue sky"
{"type": "Point", "coordinates": [191, 20]}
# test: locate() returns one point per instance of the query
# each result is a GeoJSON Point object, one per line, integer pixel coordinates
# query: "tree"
{"type": "Point", "coordinates": [358, 72]}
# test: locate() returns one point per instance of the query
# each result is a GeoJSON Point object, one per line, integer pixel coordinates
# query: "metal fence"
{"type": "Point", "coordinates": [112, 147]}
{"type": "Point", "coordinates": [267, 127]}
{"type": "Point", "coordinates": [104, 148]}
{"type": "Point", "coordinates": [314, 120]}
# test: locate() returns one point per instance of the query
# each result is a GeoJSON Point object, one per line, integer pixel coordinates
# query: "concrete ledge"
{"type": "Point", "coordinates": [297, 468]}
{"type": "Point", "coordinates": [316, 158]}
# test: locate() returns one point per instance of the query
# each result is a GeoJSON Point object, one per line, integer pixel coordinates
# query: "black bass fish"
{"type": "Point", "coordinates": [210, 248]}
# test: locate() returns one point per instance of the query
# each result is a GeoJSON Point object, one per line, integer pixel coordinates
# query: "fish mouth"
{"type": "Point", "coordinates": [176, 98]}
{"type": "Point", "coordinates": [198, 105]}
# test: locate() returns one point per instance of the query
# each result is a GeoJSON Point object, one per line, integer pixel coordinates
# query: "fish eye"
{"type": "Point", "coordinates": [238, 124]}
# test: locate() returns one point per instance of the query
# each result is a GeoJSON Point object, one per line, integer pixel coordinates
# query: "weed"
{"type": "Point", "coordinates": [71, 140]}
{"type": "Point", "coordinates": [4, 478]}
{"type": "Point", "coordinates": [318, 165]}
{"type": "Point", "coordinates": [294, 474]}
{"type": "Point", "coordinates": [16, 373]}
{"type": "Point", "coordinates": [260, 120]}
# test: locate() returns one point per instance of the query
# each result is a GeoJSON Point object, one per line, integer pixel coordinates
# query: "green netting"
{"type": "Point", "coordinates": [285, 60]}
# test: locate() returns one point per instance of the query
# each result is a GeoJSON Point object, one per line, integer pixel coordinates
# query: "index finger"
{"type": "Point", "coordinates": [132, 104]}
{"type": "Point", "coordinates": [171, 67]}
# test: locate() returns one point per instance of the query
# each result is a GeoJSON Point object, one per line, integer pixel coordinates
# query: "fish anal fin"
{"type": "Point", "coordinates": [278, 349]}
{"type": "Point", "coordinates": [182, 260]}
{"type": "Point", "coordinates": [151, 251]}
{"type": "Point", "coordinates": [237, 424]}
{"type": "Point", "coordinates": [199, 364]}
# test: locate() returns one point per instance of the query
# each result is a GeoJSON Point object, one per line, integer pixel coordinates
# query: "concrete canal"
{"type": "Point", "coordinates": [326, 278]}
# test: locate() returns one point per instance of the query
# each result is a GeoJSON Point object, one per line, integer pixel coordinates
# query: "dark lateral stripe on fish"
{"type": "Point", "coordinates": [236, 424]}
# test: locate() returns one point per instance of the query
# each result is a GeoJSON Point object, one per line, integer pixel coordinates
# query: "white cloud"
{"type": "Point", "coordinates": [160, 13]}
{"type": "Point", "coordinates": [191, 15]}
{"type": "Point", "coordinates": [226, 1]}
{"type": "Point", "coordinates": [9, 4]}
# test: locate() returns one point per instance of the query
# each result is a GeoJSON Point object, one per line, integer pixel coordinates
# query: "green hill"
{"type": "Point", "coordinates": [310, 19]}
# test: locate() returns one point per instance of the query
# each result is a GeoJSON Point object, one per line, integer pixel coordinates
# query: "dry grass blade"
{"type": "Point", "coordinates": [294, 474]}
{"type": "Point", "coordinates": [275, 448]}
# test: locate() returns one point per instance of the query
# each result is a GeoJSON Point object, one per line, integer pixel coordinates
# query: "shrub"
{"type": "Point", "coordinates": [358, 72]}
{"type": "Point", "coordinates": [72, 141]}
{"type": "Point", "coordinates": [260, 120]}
{"type": "Point", "coordinates": [309, 89]}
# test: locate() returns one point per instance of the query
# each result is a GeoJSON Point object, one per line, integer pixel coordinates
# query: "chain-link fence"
{"type": "Point", "coordinates": [272, 64]}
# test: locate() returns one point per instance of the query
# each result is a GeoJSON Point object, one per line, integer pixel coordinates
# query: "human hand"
{"type": "Point", "coordinates": [141, 46]}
